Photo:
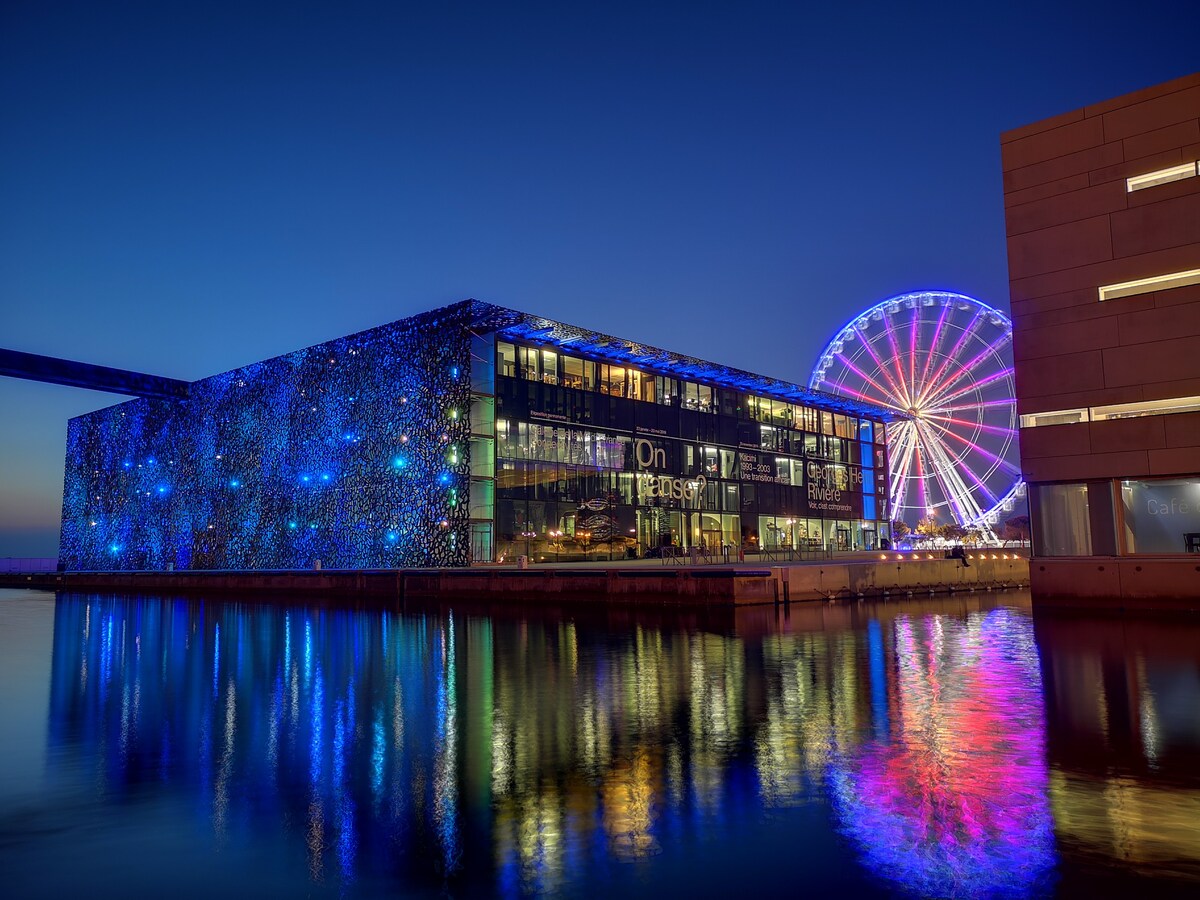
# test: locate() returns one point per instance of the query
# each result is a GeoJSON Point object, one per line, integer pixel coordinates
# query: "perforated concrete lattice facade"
{"type": "Point", "coordinates": [401, 447]}
{"type": "Point", "coordinates": [352, 452]}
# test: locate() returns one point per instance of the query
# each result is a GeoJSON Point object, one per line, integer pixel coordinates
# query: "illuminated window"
{"type": "Point", "coordinates": [1161, 515]}
{"type": "Point", "coordinates": [1061, 524]}
{"type": "Point", "coordinates": [506, 355]}
{"type": "Point", "coordinates": [1147, 285]}
{"type": "Point", "coordinates": [1161, 176]}
{"type": "Point", "coordinates": [1147, 408]}
{"type": "Point", "coordinates": [1166, 407]}
{"type": "Point", "coordinates": [1058, 417]}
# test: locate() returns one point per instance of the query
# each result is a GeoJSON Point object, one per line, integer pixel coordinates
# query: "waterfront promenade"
{"type": "Point", "coordinates": [634, 582]}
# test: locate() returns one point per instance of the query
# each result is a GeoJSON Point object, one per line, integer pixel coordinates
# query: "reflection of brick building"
{"type": "Point", "coordinates": [1103, 218]}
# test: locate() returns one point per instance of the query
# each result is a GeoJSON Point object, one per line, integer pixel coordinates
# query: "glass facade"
{"type": "Point", "coordinates": [603, 461]}
{"type": "Point", "coordinates": [1062, 521]}
{"type": "Point", "coordinates": [1161, 515]}
{"type": "Point", "coordinates": [1150, 516]}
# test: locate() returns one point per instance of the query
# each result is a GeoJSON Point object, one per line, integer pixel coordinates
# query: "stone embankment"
{"type": "Point", "coordinates": [897, 575]}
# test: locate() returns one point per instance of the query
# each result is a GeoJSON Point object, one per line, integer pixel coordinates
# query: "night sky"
{"type": "Point", "coordinates": [186, 188]}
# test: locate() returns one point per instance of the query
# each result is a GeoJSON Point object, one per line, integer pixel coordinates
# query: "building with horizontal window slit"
{"type": "Point", "coordinates": [1103, 215]}
{"type": "Point", "coordinates": [466, 435]}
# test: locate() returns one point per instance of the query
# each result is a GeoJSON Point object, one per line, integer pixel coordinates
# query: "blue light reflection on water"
{"type": "Point", "coordinates": [866, 750]}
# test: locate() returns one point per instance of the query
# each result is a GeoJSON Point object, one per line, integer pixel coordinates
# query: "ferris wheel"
{"type": "Point", "coordinates": [942, 363]}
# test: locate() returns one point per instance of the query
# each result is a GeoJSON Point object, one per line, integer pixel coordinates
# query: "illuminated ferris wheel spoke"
{"type": "Point", "coordinates": [950, 392]}
{"type": "Point", "coordinates": [879, 366]}
{"type": "Point", "coordinates": [935, 345]}
{"type": "Point", "coordinates": [990, 465]}
{"type": "Point", "coordinates": [906, 451]}
{"type": "Point", "coordinates": [971, 509]}
{"type": "Point", "coordinates": [913, 343]}
{"type": "Point", "coordinates": [898, 362]}
{"type": "Point", "coordinates": [986, 454]}
{"type": "Point", "coordinates": [944, 397]}
{"type": "Point", "coordinates": [901, 459]}
{"type": "Point", "coordinates": [1008, 402]}
{"type": "Point", "coordinates": [961, 499]}
{"type": "Point", "coordinates": [989, 354]}
{"type": "Point", "coordinates": [882, 370]}
{"type": "Point", "coordinates": [993, 460]}
{"type": "Point", "coordinates": [940, 360]}
{"type": "Point", "coordinates": [942, 472]}
{"type": "Point", "coordinates": [863, 375]}
{"type": "Point", "coordinates": [919, 463]}
{"type": "Point", "coordinates": [951, 420]}
{"type": "Point", "coordinates": [968, 333]}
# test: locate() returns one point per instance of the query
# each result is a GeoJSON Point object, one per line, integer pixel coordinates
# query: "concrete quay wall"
{"type": "Point", "coordinates": [683, 586]}
{"type": "Point", "coordinates": [900, 577]}
{"type": "Point", "coordinates": [1168, 583]}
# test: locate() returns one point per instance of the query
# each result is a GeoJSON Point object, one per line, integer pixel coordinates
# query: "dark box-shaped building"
{"type": "Point", "coordinates": [471, 434]}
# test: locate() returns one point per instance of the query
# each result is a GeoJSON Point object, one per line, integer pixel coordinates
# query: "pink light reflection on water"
{"type": "Point", "coordinates": [955, 801]}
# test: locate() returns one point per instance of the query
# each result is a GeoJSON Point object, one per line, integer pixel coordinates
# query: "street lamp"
{"type": "Point", "coordinates": [556, 537]}
{"type": "Point", "coordinates": [527, 535]}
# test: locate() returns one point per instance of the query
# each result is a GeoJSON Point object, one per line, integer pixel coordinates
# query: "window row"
{"type": "Point", "coordinates": [600, 489]}
{"type": "Point", "coordinates": [548, 366]}
{"type": "Point", "coordinates": [779, 533]}
{"type": "Point", "coordinates": [585, 447]}
{"type": "Point", "coordinates": [524, 400]}
{"type": "Point", "coordinates": [546, 531]}
{"type": "Point", "coordinates": [1167, 407]}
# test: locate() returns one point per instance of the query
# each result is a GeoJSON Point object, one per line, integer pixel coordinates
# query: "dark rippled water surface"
{"type": "Point", "coordinates": [942, 748]}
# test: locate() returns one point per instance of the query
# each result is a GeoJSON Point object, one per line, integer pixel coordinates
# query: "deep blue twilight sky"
{"type": "Point", "coordinates": [188, 187]}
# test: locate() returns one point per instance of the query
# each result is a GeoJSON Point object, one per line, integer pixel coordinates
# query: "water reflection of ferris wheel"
{"type": "Point", "coordinates": [942, 363]}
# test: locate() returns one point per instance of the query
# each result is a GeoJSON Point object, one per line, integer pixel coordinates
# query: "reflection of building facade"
{"type": "Point", "coordinates": [1103, 214]}
{"type": "Point", "coordinates": [470, 434]}
{"type": "Point", "coordinates": [1123, 739]}
{"type": "Point", "coordinates": [510, 756]}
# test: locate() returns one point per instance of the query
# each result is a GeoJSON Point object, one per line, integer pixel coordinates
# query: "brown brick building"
{"type": "Point", "coordinates": [1102, 206]}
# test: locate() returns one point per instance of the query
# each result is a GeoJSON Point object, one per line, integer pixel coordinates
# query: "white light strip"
{"type": "Point", "coordinates": [1146, 408]}
{"type": "Point", "coordinates": [1162, 176]}
{"type": "Point", "coordinates": [1058, 417]}
{"type": "Point", "coordinates": [1148, 285]}
{"type": "Point", "coordinates": [1166, 407]}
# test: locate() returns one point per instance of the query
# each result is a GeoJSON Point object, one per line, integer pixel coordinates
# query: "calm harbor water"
{"type": "Point", "coordinates": [949, 747]}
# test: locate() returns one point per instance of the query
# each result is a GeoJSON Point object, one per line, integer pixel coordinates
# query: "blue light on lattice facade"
{"type": "Point", "coordinates": [356, 452]}
{"type": "Point", "coordinates": [278, 464]}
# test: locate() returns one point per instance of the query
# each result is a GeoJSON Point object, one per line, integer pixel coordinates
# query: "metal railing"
{"type": "Point", "coordinates": [794, 554]}
{"type": "Point", "coordinates": [690, 556]}
{"type": "Point", "coordinates": [699, 556]}
{"type": "Point", "coordinates": [10, 565]}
